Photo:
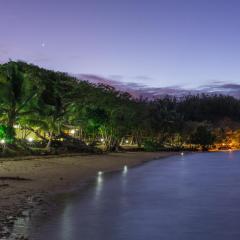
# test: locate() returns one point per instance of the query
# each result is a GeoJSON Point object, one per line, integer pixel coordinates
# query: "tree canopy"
{"type": "Point", "coordinates": [52, 103]}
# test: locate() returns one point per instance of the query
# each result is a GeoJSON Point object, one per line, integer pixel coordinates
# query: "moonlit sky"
{"type": "Point", "coordinates": [159, 43]}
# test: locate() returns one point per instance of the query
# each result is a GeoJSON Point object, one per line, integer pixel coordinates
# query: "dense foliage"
{"type": "Point", "coordinates": [51, 104]}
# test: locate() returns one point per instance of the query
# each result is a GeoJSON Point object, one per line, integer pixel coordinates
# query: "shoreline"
{"type": "Point", "coordinates": [26, 183]}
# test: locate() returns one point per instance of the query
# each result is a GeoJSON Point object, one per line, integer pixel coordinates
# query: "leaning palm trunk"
{"type": "Point", "coordinates": [48, 147]}
{"type": "Point", "coordinates": [10, 125]}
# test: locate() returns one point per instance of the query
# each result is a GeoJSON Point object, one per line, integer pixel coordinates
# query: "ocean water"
{"type": "Point", "coordinates": [195, 197]}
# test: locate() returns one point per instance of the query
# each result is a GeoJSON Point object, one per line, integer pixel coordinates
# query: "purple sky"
{"type": "Point", "coordinates": [158, 43]}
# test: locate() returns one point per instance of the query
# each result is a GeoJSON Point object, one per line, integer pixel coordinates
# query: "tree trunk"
{"type": "Point", "coordinates": [10, 125]}
{"type": "Point", "coordinates": [48, 147]}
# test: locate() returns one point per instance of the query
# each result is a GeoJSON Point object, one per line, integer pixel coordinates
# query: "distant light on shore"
{"type": "Point", "coordinates": [30, 139]}
{"type": "Point", "coordinates": [72, 131]}
{"type": "Point", "coordinates": [182, 153]}
{"type": "Point", "coordinates": [100, 173]}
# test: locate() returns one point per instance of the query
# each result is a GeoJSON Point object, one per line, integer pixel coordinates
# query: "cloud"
{"type": "Point", "coordinates": [116, 77]}
{"type": "Point", "coordinates": [141, 90]}
{"type": "Point", "coordinates": [231, 89]}
{"type": "Point", "coordinates": [144, 78]}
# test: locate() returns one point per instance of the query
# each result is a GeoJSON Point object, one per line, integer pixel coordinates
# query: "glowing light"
{"type": "Point", "coordinates": [99, 186]}
{"type": "Point", "coordinates": [72, 131]}
{"type": "Point", "coordinates": [102, 139]}
{"type": "Point", "coordinates": [2, 141]}
{"type": "Point", "coordinates": [182, 153]}
{"type": "Point", "coordinates": [99, 180]}
{"type": "Point", "coordinates": [127, 141]}
{"type": "Point", "coordinates": [100, 173]}
{"type": "Point", "coordinates": [16, 126]}
{"type": "Point", "coordinates": [125, 169]}
{"type": "Point", "coordinates": [30, 139]}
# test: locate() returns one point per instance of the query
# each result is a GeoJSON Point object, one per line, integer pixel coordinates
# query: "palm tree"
{"type": "Point", "coordinates": [17, 91]}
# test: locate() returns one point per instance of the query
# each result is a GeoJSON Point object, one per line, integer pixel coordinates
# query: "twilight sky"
{"type": "Point", "coordinates": [158, 43]}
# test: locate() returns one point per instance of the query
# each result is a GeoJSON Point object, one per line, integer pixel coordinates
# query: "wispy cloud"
{"type": "Point", "coordinates": [144, 78]}
{"type": "Point", "coordinates": [232, 89]}
{"type": "Point", "coordinates": [137, 90]}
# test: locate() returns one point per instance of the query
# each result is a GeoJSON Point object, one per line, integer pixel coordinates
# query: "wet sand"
{"type": "Point", "coordinates": [25, 183]}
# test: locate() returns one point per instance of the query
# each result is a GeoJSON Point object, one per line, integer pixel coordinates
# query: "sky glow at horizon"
{"type": "Point", "coordinates": [185, 43]}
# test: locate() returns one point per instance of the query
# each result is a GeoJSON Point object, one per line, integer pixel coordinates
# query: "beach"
{"type": "Point", "coordinates": [26, 182]}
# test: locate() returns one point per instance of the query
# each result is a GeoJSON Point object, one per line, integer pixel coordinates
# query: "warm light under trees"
{"type": "Point", "coordinates": [42, 109]}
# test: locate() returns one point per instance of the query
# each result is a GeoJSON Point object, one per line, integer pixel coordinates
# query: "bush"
{"type": "Point", "coordinates": [203, 137]}
{"type": "Point", "coordinates": [152, 146]}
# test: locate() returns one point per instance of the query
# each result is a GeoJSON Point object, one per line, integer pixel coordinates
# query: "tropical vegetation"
{"type": "Point", "coordinates": [43, 112]}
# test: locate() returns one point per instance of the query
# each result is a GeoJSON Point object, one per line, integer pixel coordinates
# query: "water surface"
{"type": "Point", "coordinates": [191, 197]}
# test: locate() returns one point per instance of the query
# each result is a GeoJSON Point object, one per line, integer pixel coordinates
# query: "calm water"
{"type": "Point", "coordinates": [190, 197]}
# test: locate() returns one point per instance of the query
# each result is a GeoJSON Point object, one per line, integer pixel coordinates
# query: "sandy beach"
{"type": "Point", "coordinates": [29, 180]}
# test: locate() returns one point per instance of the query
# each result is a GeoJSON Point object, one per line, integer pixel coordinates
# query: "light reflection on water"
{"type": "Point", "coordinates": [190, 197]}
{"type": "Point", "coordinates": [125, 170]}
{"type": "Point", "coordinates": [98, 186]}
{"type": "Point", "coordinates": [67, 224]}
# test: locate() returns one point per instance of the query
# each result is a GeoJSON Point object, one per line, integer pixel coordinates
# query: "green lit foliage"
{"type": "Point", "coordinates": [95, 118]}
{"type": "Point", "coordinates": [48, 103]}
{"type": "Point", "coordinates": [3, 132]}
{"type": "Point", "coordinates": [17, 92]}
